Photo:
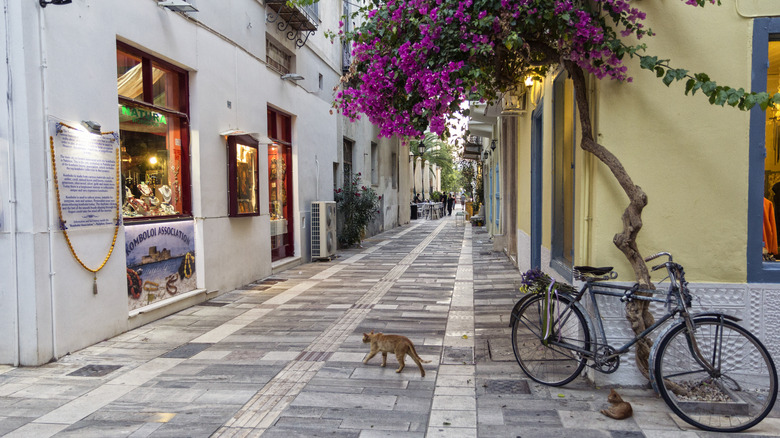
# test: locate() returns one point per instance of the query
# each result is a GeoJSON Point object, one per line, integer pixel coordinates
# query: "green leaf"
{"type": "Point", "coordinates": [689, 85]}
{"type": "Point", "coordinates": [680, 73]}
{"type": "Point", "coordinates": [659, 71]}
{"type": "Point", "coordinates": [648, 62]}
{"type": "Point", "coordinates": [734, 97]}
{"type": "Point", "coordinates": [721, 97]}
{"type": "Point", "coordinates": [708, 87]}
{"type": "Point", "coordinates": [748, 102]}
{"type": "Point", "coordinates": [669, 78]}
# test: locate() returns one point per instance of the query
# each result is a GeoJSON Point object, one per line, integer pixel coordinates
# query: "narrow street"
{"type": "Point", "coordinates": [282, 357]}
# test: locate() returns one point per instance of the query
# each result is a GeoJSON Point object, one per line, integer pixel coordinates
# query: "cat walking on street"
{"type": "Point", "coordinates": [400, 345]}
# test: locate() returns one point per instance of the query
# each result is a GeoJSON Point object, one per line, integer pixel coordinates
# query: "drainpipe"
{"type": "Point", "coordinates": [12, 190]}
{"type": "Point", "coordinates": [587, 180]}
{"type": "Point", "coordinates": [49, 194]}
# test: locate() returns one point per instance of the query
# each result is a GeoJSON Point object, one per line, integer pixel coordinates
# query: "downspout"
{"type": "Point", "coordinates": [589, 162]}
{"type": "Point", "coordinates": [12, 189]}
{"type": "Point", "coordinates": [49, 196]}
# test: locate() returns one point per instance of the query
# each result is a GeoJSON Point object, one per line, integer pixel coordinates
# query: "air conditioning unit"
{"type": "Point", "coordinates": [323, 229]}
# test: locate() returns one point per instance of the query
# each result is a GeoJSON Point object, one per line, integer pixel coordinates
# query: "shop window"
{"type": "Point", "coordinates": [763, 256]}
{"type": "Point", "coordinates": [243, 187]}
{"type": "Point", "coordinates": [153, 132]}
{"type": "Point", "coordinates": [280, 187]}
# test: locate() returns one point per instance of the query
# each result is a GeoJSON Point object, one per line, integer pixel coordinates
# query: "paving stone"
{"type": "Point", "coordinates": [353, 401]}
{"type": "Point", "coordinates": [236, 360]}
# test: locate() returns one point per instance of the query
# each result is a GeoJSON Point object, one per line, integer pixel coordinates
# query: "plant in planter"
{"type": "Point", "coordinates": [358, 206]}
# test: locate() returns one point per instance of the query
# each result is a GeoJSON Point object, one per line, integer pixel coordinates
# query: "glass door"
{"type": "Point", "coordinates": [280, 185]}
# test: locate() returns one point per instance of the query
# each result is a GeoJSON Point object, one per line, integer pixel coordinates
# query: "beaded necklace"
{"type": "Point", "coordinates": [62, 222]}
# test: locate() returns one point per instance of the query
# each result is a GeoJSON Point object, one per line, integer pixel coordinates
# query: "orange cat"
{"type": "Point", "coordinates": [620, 409]}
{"type": "Point", "coordinates": [400, 345]}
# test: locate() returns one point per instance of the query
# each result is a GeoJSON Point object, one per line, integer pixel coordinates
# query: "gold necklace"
{"type": "Point", "coordinates": [62, 223]}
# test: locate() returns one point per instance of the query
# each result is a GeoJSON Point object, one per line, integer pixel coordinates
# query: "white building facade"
{"type": "Point", "coordinates": [215, 138]}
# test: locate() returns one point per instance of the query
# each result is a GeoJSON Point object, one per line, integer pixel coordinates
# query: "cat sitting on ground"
{"type": "Point", "coordinates": [620, 409]}
{"type": "Point", "coordinates": [400, 345]}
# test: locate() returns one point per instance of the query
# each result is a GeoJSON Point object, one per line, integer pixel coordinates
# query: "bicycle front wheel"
{"type": "Point", "coordinates": [737, 396]}
{"type": "Point", "coordinates": [550, 363]}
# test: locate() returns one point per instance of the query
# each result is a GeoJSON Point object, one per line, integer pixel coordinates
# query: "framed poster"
{"type": "Point", "coordinates": [160, 261]}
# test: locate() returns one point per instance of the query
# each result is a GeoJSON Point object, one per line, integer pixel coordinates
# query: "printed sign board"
{"type": "Point", "coordinates": [160, 261]}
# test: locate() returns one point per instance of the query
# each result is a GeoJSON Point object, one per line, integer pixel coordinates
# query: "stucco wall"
{"type": "Point", "coordinates": [689, 157]}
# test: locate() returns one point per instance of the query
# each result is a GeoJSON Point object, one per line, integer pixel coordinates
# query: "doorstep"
{"type": "Point", "coordinates": [284, 264]}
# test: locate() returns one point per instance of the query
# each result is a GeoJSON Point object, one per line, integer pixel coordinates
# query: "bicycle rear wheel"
{"type": "Point", "coordinates": [737, 397]}
{"type": "Point", "coordinates": [550, 364]}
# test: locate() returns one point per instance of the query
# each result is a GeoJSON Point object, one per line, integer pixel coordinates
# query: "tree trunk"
{"type": "Point", "coordinates": [637, 312]}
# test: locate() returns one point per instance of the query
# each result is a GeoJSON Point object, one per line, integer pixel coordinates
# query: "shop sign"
{"type": "Point", "coordinates": [143, 117]}
{"type": "Point", "coordinates": [160, 261]}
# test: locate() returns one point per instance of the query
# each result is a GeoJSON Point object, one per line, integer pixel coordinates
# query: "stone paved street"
{"type": "Point", "coordinates": [282, 357]}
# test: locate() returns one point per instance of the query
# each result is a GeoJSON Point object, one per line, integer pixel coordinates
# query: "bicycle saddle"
{"type": "Point", "coordinates": [590, 270]}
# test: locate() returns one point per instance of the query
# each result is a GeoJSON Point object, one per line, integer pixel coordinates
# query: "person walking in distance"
{"type": "Point", "coordinates": [450, 201]}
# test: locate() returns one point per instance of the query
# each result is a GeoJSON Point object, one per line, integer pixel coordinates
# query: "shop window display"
{"type": "Point", "coordinates": [153, 136]}
{"type": "Point", "coordinates": [772, 161]}
{"type": "Point", "coordinates": [243, 159]}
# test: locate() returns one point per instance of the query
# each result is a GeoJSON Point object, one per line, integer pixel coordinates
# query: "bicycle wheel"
{"type": "Point", "coordinates": [550, 364]}
{"type": "Point", "coordinates": [741, 393]}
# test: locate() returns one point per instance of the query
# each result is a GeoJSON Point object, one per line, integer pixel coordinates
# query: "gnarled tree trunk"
{"type": "Point", "coordinates": [637, 312]}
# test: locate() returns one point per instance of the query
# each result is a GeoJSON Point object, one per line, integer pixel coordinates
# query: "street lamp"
{"type": "Point", "coordinates": [421, 148]}
{"type": "Point", "coordinates": [493, 144]}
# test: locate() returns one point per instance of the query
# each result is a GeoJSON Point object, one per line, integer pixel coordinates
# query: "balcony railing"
{"type": "Point", "coordinates": [297, 23]}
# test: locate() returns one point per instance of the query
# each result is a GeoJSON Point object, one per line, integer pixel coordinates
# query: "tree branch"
{"type": "Point", "coordinates": [637, 312]}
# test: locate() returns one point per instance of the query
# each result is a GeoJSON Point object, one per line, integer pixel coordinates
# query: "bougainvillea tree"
{"type": "Point", "coordinates": [415, 62]}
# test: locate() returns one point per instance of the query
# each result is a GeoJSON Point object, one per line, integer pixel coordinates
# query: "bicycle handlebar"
{"type": "Point", "coordinates": [655, 256]}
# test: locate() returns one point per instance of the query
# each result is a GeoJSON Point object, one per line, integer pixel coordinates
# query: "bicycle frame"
{"type": "Point", "coordinates": [676, 291]}
{"type": "Point", "coordinates": [628, 292]}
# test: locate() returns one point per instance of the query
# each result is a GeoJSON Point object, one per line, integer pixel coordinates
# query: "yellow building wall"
{"type": "Point", "coordinates": [691, 158]}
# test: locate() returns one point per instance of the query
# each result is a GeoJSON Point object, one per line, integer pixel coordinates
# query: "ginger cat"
{"type": "Point", "coordinates": [400, 345]}
{"type": "Point", "coordinates": [620, 409]}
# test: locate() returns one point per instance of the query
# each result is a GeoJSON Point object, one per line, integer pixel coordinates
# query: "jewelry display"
{"type": "Point", "coordinates": [145, 189]}
{"type": "Point", "coordinates": [165, 193]}
{"type": "Point", "coordinates": [165, 207]}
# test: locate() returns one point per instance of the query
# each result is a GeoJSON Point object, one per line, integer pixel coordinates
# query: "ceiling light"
{"type": "Point", "coordinates": [177, 6]}
{"type": "Point", "coordinates": [43, 3]}
{"type": "Point", "coordinates": [292, 77]}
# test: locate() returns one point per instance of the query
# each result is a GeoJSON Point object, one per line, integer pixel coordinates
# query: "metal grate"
{"type": "Point", "coordinates": [458, 356]}
{"type": "Point", "coordinates": [507, 386]}
{"type": "Point", "coordinates": [212, 304]}
{"type": "Point", "coordinates": [186, 351]}
{"type": "Point", "coordinates": [94, 370]}
{"type": "Point", "coordinates": [315, 229]}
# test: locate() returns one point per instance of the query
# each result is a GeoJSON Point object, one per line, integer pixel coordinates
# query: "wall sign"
{"type": "Point", "coordinates": [86, 173]}
{"type": "Point", "coordinates": [160, 261]}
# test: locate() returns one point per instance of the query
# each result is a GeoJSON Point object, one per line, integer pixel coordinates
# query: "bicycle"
{"type": "Point", "coordinates": [713, 373]}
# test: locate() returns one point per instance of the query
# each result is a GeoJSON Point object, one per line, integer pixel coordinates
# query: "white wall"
{"type": "Point", "coordinates": [223, 48]}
